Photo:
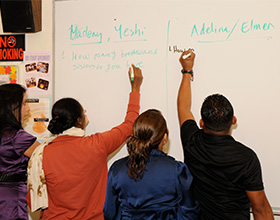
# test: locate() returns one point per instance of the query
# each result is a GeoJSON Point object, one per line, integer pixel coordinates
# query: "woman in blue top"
{"type": "Point", "coordinates": [148, 184]}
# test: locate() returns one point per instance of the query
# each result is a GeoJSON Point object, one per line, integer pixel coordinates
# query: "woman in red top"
{"type": "Point", "coordinates": [74, 165]}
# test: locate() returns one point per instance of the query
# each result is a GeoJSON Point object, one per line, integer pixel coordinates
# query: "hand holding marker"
{"type": "Point", "coordinates": [187, 66]}
{"type": "Point", "coordinates": [186, 56]}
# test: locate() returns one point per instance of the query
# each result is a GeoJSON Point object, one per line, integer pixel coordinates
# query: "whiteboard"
{"type": "Point", "coordinates": [236, 45]}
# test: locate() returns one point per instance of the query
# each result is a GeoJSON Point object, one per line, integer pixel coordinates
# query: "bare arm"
{"type": "Point", "coordinates": [114, 138]}
{"type": "Point", "coordinates": [260, 205]}
{"type": "Point", "coordinates": [184, 94]}
{"type": "Point", "coordinates": [30, 150]}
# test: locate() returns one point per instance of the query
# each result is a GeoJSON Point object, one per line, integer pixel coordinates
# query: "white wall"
{"type": "Point", "coordinates": [40, 41]}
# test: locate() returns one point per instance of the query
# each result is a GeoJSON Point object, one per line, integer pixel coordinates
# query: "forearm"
{"type": "Point", "coordinates": [30, 150]}
{"type": "Point", "coordinates": [184, 96]}
{"type": "Point", "coordinates": [117, 135]}
{"type": "Point", "coordinates": [264, 213]}
{"type": "Point", "coordinates": [260, 205]}
{"type": "Point", "coordinates": [132, 113]}
{"type": "Point", "coordinates": [133, 107]}
{"type": "Point", "coordinates": [184, 99]}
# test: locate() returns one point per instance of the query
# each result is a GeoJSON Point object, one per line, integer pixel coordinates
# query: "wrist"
{"type": "Point", "coordinates": [188, 72]}
{"type": "Point", "coordinates": [135, 90]}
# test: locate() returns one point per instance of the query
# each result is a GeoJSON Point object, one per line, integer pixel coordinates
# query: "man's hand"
{"type": "Point", "coordinates": [187, 63]}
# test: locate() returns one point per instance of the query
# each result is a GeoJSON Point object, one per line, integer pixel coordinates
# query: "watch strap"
{"type": "Point", "coordinates": [188, 72]}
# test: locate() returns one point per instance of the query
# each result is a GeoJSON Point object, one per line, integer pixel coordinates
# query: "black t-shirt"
{"type": "Point", "coordinates": [223, 170]}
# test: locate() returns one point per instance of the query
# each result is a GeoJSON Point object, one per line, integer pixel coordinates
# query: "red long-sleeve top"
{"type": "Point", "coordinates": [76, 169]}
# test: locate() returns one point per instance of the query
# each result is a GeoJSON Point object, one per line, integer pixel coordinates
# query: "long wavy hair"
{"type": "Point", "coordinates": [11, 97]}
{"type": "Point", "coordinates": [148, 131]}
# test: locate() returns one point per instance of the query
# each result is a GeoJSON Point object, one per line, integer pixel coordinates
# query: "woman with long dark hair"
{"type": "Point", "coordinates": [15, 149]}
{"type": "Point", "coordinates": [148, 184]}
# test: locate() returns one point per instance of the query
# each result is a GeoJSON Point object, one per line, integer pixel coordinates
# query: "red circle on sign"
{"type": "Point", "coordinates": [12, 41]}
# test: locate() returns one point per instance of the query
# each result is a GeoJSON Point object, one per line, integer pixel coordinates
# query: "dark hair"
{"type": "Point", "coordinates": [217, 113]}
{"type": "Point", "coordinates": [11, 97]}
{"type": "Point", "coordinates": [65, 113]}
{"type": "Point", "coordinates": [148, 130]}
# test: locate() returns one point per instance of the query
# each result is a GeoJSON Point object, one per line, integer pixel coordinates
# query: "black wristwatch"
{"type": "Point", "coordinates": [189, 72]}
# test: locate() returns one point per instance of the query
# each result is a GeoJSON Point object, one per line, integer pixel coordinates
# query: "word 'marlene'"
{"type": "Point", "coordinates": [244, 28]}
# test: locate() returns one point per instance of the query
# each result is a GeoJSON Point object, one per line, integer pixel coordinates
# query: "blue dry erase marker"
{"type": "Point", "coordinates": [132, 75]}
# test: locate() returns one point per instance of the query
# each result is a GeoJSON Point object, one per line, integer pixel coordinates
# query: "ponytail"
{"type": "Point", "coordinates": [139, 151]}
{"type": "Point", "coordinates": [148, 130]}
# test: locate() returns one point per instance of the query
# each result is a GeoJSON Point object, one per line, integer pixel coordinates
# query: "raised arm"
{"type": "Point", "coordinates": [114, 138]}
{"type": "Point", "coordinates": [184, 94]}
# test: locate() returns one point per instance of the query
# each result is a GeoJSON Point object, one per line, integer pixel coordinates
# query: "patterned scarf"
{"type": "Point", "coordinates": [36, 181]}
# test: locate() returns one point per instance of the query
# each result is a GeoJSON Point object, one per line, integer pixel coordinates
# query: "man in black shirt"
{"type": "Point", "coordinates": [227, 174]}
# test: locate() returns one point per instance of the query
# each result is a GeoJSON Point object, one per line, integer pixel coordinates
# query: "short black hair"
{"type": "Point", "coordinates": [65, 113]}
{"type": "Point", "coordinates": [217, 113]}
{"type": "Point", "coordinates": [11, 97]}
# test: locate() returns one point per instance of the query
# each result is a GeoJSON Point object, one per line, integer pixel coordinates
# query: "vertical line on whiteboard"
{"type": "Point", "coordinates": [166, 70]}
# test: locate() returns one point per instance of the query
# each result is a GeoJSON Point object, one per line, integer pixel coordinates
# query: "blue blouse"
{"type": "Point", "coordinates": [164, 192]}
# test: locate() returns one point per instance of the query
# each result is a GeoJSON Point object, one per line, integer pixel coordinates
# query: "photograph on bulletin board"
{"type": "Point", "coordinates": [39, 117]}
{"type": "Point", "coordinates": [37, 75]}
{"type": "Point", "coordinates": [8, 74]}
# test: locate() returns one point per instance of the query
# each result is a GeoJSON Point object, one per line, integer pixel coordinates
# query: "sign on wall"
{"type": "Point", "coordinates": [12, 47]}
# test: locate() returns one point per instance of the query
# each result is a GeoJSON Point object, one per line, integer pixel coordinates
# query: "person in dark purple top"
{"type": "Point", "coordinates": [16, 146]}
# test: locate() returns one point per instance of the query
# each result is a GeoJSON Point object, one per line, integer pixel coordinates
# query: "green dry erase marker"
{"type": "Point", "coordinates": [132, 75]}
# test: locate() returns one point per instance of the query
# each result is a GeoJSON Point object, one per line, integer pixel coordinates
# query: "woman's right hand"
{"type": "Point", "coordinates": [138, 78]}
